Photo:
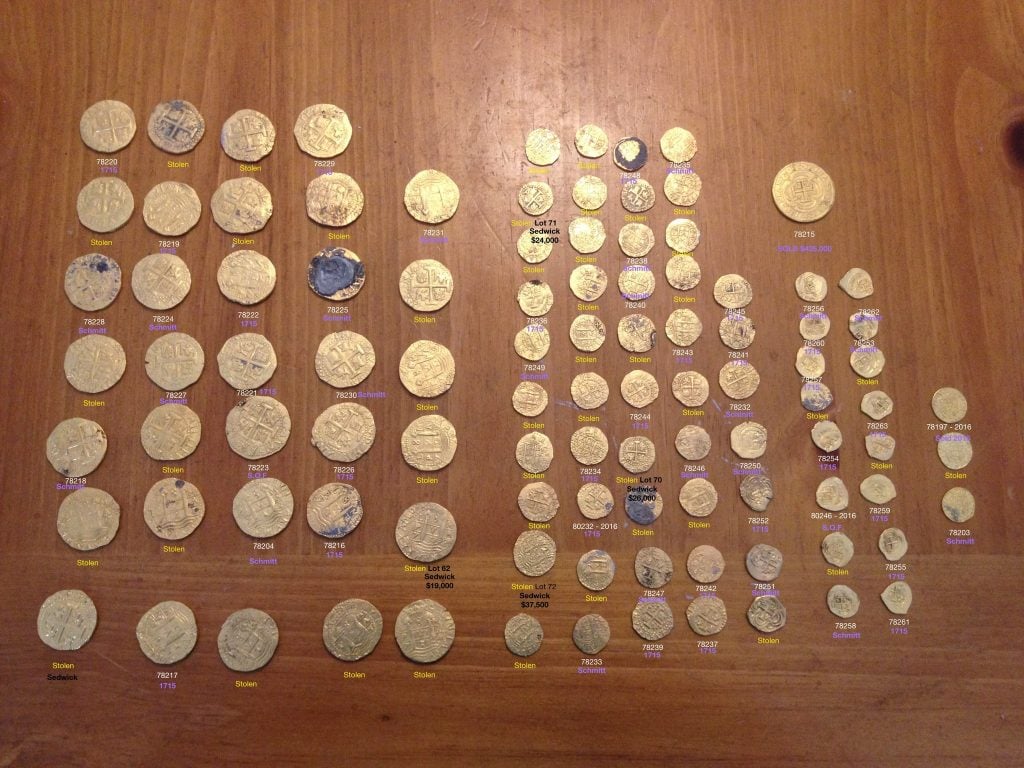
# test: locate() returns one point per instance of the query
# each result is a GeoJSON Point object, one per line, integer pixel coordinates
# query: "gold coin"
{"type": "Point", "coordinates": [757, 492]}
{"type": "Point", "coordinates": [258, 427]}
{"type": "Point", "coordinates": [595, 570]}
{"type": "Point", "coordinates": [431, 197]}
{"type": "Point", "coordinates": [246, 277]}
{"type": "Point", "coordinates": [66, 620]}
{"type": "Point", "coordinates": [588, 282]}
{"type": "Point", "coordinates": [630, 154]}
{"type": "Point", "coordinates": [171, 208]}
{"type": "Point", "coordinates": [241, 206]}
{"type": "Point", "coordinates": [532, 342]}
{"type": "Point", "coordinates": [529, 399]}
{"type": "Point", "coordinates": [176, 126]}
{"type": "Point", "coordinates": [868, 362]}
{"type": "Point", "coordinates": [174, 361]}
{"type": "Point", "coordinates": [857, 283]}
{"type": "Point", "coordinates": [523, 635]}
{"type": "Point", "coordinates": [167, 632]}
{"type": "Point", "coordinates": [530, 251]}
{"type": "Point", "coordinates": [690, 388]}
{"type": "Point", "coordinates": [336, 274]}
{"type": "Point", "coordinates": [736, 331]}
{"type": "Point", "coordinates": [949, 405]}
{"type": "Point", "coordinates": [586, 234]}
{"type": "Point", "coordinates": [542, 146]}
{"type": "Point", "coordinates": [426, 285]}
{"type": "Point", "coordinates": [535, 298]}
{"type": "Point", "coordinates": [639, 388]}
{"type": "Point", "coordinates": [878, 489]}
{"type": "Point", "coordinates": [94, 363]}
{"type": "Point", "coordinates": [636, 283]}
{"type": "Point", "coordinates": [429, 443]}
{"type": "Point", "coordinates": [682, 187]}
{"type": "Point", "coordinates": [897, 597]}
{"type": "Point", "coordinates": [682, 235]}
{"type": "Point", "coordinates": [591, 141]}
{"type": "Point", "coordinates": [832, 495]}
{"type": "Point", "coordinates": [892, 543]}
{"type": "Point", "coordinates": [879, 445]}
{"type": "Point", "coordinates": [538, 502]}
{"type": "Point", "coordinates": [678, 145]}
{"type": "Point", "coordinates": [107, 126]}
{"type": "Point", "coordinates": [323, 130]}
{"type": "Point", "coordinates": [105, 204]}
{"type": "Point", "coordinates": [76, 447]}
{"type": "Point", "coordinates": [589, 390]}
{"type": "Point", "coordinates": [693, 443]}
{"type": "Point", "coordinates": [344, 359]}
{"type": "Point", "coordinates": [534, 452]}
{"type": "Point", "coordinates": [594, 501]}
{"type": "Point", "coordinates": [706, 615]}
{"type": "Point", "coordinates": [698, 497]}
{"type": "Point", "coordinates": [766, 614]}
{"type": "Point", "coordinates": [636, 333]}
{"type": "Point", "coordinates": [591, 634]}
{"type": "Point", "coordinates": [955, 450]}
{"type": "Point", "coordinates": [247, 360]}
{"type": "Point", "coordinates": [424, 631]}
{"type": "Point", "coordinates": [738, 379]}
{"type": "Point", "coordinates": [958, 505]}
{"type": "Point", "coordinates": [876, 405]}
{"type": "Point", "coordinates": [636, 240]}
{"type": "Point", "coordinates": [534, 553]}
{"type": "Point", "coordinates": [653, 621]}
{"type": "Point", "coordinates": [161, 281]}
{"type": "Point", "coordinates": [247, 640]}
{"type": "Point", "coordinates": [637, 196]}
{"type": "Point", "coordinates": [352, 629]}
{"type": "Point", "coordinates": [344, 432]}
{"type": "Point", "coordinates": [811, 287]}
{"type": "Point", "coordinates": [682, 272]}
{"type": "Point", "coordinates": [589, 193]}
{"type": "Point", "coordinates": [173, 508]}
{"type": "Point", "coordinates": [427, 369]}
{"type": "Point", "coordinates": [587, 333]}
{"type": "Point", "coordinates": [334, 510]}
{"type": "Point", "coordinates": [171, 432]}
{"type": "Point", "coordinates": [535, 197]}
{"type": "Point", "coordinates": [653, 567]}
{"type": "Point", "coordinates": [837, 549]}
{"type": "Point", "coordinates": [683, 327]}
{"type": "Point", "coordinates": [814, 325]}
{"type": "Point", "coordinates": [334, 200]}
{"type": "Point", "coordinates": [733, 291]}
{"type": "Point", "coordinates": [803, 192]}
{"type": "Point", "coordinates": [92, 282]}
{"type": "Point", "coordinates": [705, 564]}
{"type": "Point", "coordinates": [247, 136]}
{"type": "Point", "coordinates": [810, 363]}
{"type": "Point", "coordinates": [749, 440]}
{"type": "Point", "coordinates": [426, 532]}
{"type": "Point", "coordinates": [589, 446]}
{"type": "Point", "coordinates": [88, 519]}
{"type": "Point", "coordinates": [636, 454]}
{"type": "Point", "coordinates": [842, 601]}
{"type": "Point", "coordinates": [827, 436]}
{"type": "Point", "coordinates": [263, 507]}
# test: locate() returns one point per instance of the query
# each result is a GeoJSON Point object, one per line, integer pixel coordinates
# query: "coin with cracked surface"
{"type": "Point", "coordinates": [171, 208]}
{"type": "Point", "coordinates": [739, 379]}
{"type": "Point", "coordinates": [706, 615]}
{"type": "Point", "coordinates": [534, 452]}
{"type": "Point", "coordinates": [263, 507]}
{"type": "Point", "coordinates": [897, 597]}
{"type": "Point", "coordinates": [105, 204]}
{"type": "Point", "coordinates": [426, 285]}
{"type": "Point", "coordinates": [591, 141]}
{"type": "Point", "coordinates": [352, 629]}
{"type": "Point", "coordinates": [642, 505]}
{"type": "Point", "coordinates": [426, 532]}
{"type": "Point", "coordinates": [827, 436]}
{"type": "Point", "coordinates": [636, 282]}
{"type": "Point", "coordinates": [167, 632]}
{"type": "Point", "coordinates": [533, 342]}
{"type": "Point", "coordinates": [682, 235]}
{"type": "Point", "coordinates": [538, 502]}
{"type": "Point", "coordinates": [636, 240]}
{"type": "Point", "coordinates": [591, 633]}
{"type": "Point", "coordinates": [174, 361]}
{"type": "Point", "coordinates": [535, 197]}
{"type": "Point", "coordinates": [530, 251]}
{"type": "Point", "coordinates": [698, 497]}
{"type": "Point", "coordinates": [639, 388]}
{"type": "Point", "coordinates": [431, 197]}
{"type": "Point", "coordinates": [683, 327]}
{"type": "Point", "coordinates": [630, 154]}
{"type": "Point", "coordinates": [323, 130]}
{"type": "Point", "coordinates": [542, 146]}
{"type": "Point", "coordinates": [247, 136]}
{"type": "Point", "coordinates": [246, 277]}
{"type": "Point", "coordinates": [653, 567]}
{"type": "Point", "coordinates": [426, 369]}
{"type": "Point", "coordinates": [92, 282]}
{"type": "Point", "coordinates": [595, 570]}
{"type": "Point", "coordinates": [815, 396]}
{"type": "Point", "coordinates": [810, 363]}
{"type": "Point", "coordinates": [843, 601]}
{"type": "Point", "coordinates": [107, 126]}
{"type": "Point", "coordinates": [173, 508]}
{"type": "Point", "coordinates": [693, 443]}
{"type": "Point", "coordinates": [336, 274]}
{"type": "Point", "coordinates": [429, 443]}
{"type": "Point", "coordinates": [736, 331]}
{"type": "Point", "coordinates": [344, 432]}
{"type": "Point", "coordinates": [523, 635]}
{"type": "Point", "coordinates": [803, 192]}
{"type": "Point", "coordinates": [334, 199]}
{"type": "Point", "coordinates": [76, 447]}
{"type": "Point", "coordinates": [334, 510]}
{"type": "Point", "coordinates": [88, 519]}
{"type": "Point", "coordinates": [588, 282]}
{"type": "Point", "coordinates": [258, 427]}
{"type": "Point", "coordinates": [811, 287]}
{"type": "Point", "coordinates": [66, 620]}
{"type": "Point", "coordinates": [247, 360]}
{"type": "Point", "coordinates": [637, 196]}
{"type": "Point", "coordinates": [176, 126]}
{"type": "Point", "coordinates": [682, 272]}
{"type": "Point", "coordinates": [587, 333]}
{"type": "Point", "coordinates": [589, 390]}
{"type": "Point", "coordinates": [876, 405]}
{"type": "Point", "coordinates": [814, 326]}
{"type": "Point", "coordinates": [958, 505]}
{"type": "Point", "coordinates": [586, 234]}
{"type": "Point", "coordinates": [636, 454]}
{"type": "Point", "coordinates": [690, 388]}
{"type": "Point", "coordinates": [595, 501]}
{"type": "Point", "coordinates": [832, 494]}
{"type": "Point", "coordinates": [733, 291]}
{"type": "Point", "coordinates": [837, 549]}
{"type": "Point", "coordinates": [878, 489]}
{"type": "Point", "coordinates": [589, 192]}
{"type": "Point", "coordinates": [764, 562]}
{"type": "Point", "coordinates": [868, 362]}
{"type": "Point", "coordinates": [880, 445]}
{"type": "Point", "coordinates": [247, 640]}
{"type": "Point", "coordinates": [949, 405]}
{"type": "Point", "coordinates": [757, 492]}
{"type": "Point", "coordinates": [534, 553]}
{"type": "Point", "coordinates": [682, 187]}
{"type": "Point", "coordinates": [636, 333]}
{"type": "Point", "coordinates": [892, 543]}
{"type": "Point", "coordinates": [344, 359]}
{"type": "Point", "coordinates": [241, 206]}
{"type": "Point", "coordinates": [857, 283]}
{"type": "Point", "coordinates": [766, 614]}
{"type": "Point", "coordinates": [535, 298]}
{"type": "Point", "coordinates": [94, 363]}
{"type": "Point", "coordinates": [161, 281]}
{"type": "Point", "coordinates": [529, 399]}
{"type": "Point", "coordinates": [705, 564]}
{"type": "Point", "coordinates": [678, 145]}
{"type": "Point", "coordinates": [653, 620]}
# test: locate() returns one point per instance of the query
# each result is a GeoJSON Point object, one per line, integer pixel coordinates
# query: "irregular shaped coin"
{"type": "Point", "coordinates": [736, 331]}
{"type": "Point", "coordinates": [827, 436]}
{"type": "Point", "coordinates": [535, 197]}
{"type": "Point", "coordinates": [857, 283]}
{"type": "Point", "coordinates": [529, 399]}
{"type": "Point", "coordinates": [706, 615]}
{"type": "Point", "coordinates": [643, 506]}
{"type": "Point", "coordinates": [832, 494]}
{"type": "Point", "coordinates": [678, 145]}
{"type": "Point", "coordinates": [534, 452]}
{"type": "Point", "coordinates": [589, 390]}
{"type": "Point", "coordinates": [533, 341]}
{"type": "Point", "coordinates": [246, 277]}
{"type": "Point", "coordinates": [811, 287]}
{"type": "Point", "coordinates": [682, 272]}
{"type": "Point", "coordinates": [426, 369]}
{"type": "Point", "coordinates": [739, 379]}
{"type": "Point", "coordinates": [766, 614]}
{"type": "Point", "coordinates": [878, 489]}
{"type": "Point", "coordinates": [241, 206]}
{"type": "Point", "coordinates": [636, 283]}
{"type": "Point", "coordinates": [764, 562]}
{"type": "Point", "coordinates": [173, 508]}
{"type": "Point", "coordinates": [879, 445]}
{"type": "Point", "coordinates": [690, 388]}
{"type": "Point", "coordinates": [587, 333]}
{"type": "Point", "coordinates": [595, 570]}
{"type": "Point", "coordinates": [876, 405]}
{"type": "Point", "coordinates": [542, 146]}
{"type": "Point", "coordinates": [757, 492]}
{"type": "Point", "coordinates": [589, 192]}
{"type": "Point", "coordinates": [636, 454]}
{"type": "Point", "coordinates": [733, 291]}
{"type": "Point", "coordinates": [344, 432]}
{"type": "Point", "coordinates": [336, 274]}
{"type": "Point", "coordinates": [538, 502]}
{"type": "Point", "coordinates": [334, 200]}
{"type": "Point", "coordinates": [636, 333]}
{"type": "Point", "coordinates": [949, 405]}
{"type": "Point", "coordinates": [682, 187]}
{"type": "Point", "coordinates": [534, 553]}
{"type": "Point", "coordinates": [837, 549]}
{"type": "Point", "coordinates": [693, 443]}
{"type": "Point", "coordinates": [171, 208]}
{"type": "Point", "coordinates": [749, 440]}
{"type": "Point", "coordinates": [637, 196]}
{"type": "Point", "coordinates": [591, 633]}
{"type": "Point", "coordinates": [843, 601]}
{"type": "Point", "coordinates": [897, 597]}
{"type": "Point", "coordinates": [868, 362]}
{"type": "Point", "coordinates": [595, 501]}
{"type": "Point", "coordinates": [258, 427]}
{"type": "Point", "coordinates": [588, 282]}
{"type": "Point", "coordinates": [815, 396]}
{"type": "Point", "coordinates": [683, 327]}
{"type": "Point", "coordinates": [682, 235]}
{"type": "Point", "coordinates": [653, 567]}
{"type": "Point", "coordinates": [892, 543]}
{"type": "Point", "coordinates": [698, 497]}
{"type": "Point", "coordinates": [535, 298]}
{"type": "Point", "coordinates": [591, 141]}
{"type": "Point", "coordinates": [523, 635]}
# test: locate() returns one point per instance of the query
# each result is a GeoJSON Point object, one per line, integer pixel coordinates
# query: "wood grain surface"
{"type": "Point", "coordinates": [909, 106]}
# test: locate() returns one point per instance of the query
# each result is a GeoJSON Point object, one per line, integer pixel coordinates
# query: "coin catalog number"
{"type": "Point", "coordinates": [803, 233]}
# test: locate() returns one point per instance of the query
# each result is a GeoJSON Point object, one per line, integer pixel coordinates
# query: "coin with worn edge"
{"type": "Point", "coordinates": [426, 369]}
{"type": "Point", "coordinates": [766, 614]}
{"type": "Point", "coordinates": [424, 631]}
{"type": "Point", "coordinates": [161, 281]}
{"type": "Point", "coordinates": [431, 197]}
{"type": "Point", "coordinates": [247, 136]}
{"type": "Point", "coordinates": [334, 510]}
{"type": "Point", "coordinates": [92, 282]}
{"type": "Point", "coordinates": [653, 620]}
{"type": "Point", "coordinates": [94, 363]}
{"type": "Point", "coordinates": [529, 399]}
{"type": "Point", "coordinates": [323, 130]}
{"type": "Point", "coordinates": [764, 562]}
{"type": "Point", "coordinates": [706, 615]}
{"type": "Point", "coordinates": [241, 206]}
{"type": "Point", "coordinates": [542, 146]}
{"type": "Point", "coordinates": [246, 277]}
{"type": "Point", "coordinates": [176, 126]}
{"type": "Point", "coordinates": [247, 640]}
{"type": "Point", "coordinates": [344, 432]}
{"type": "Point", "coordinates": [263, 507]}
{"type": "Point", "coordinates": [591, 141]}
{"type": "Point", "coordinates": [352, 629]}
{"type": "Point", "coordinates": [66, 620]}
{"type": "Point", "coordinates": [837, 549]}
{"type": "Point", "coordinates": [591, 633]}
{"type": "Point", "coordinates": [426, 285]}
{"type": "Point", "coordinates": [171, 208]}
{"type": "Point", "coordinates": [534, 553]}
{"type": "Point", "coordinates": [88, 519]}
{"type": "Point", "coordinates": [174, 361]}
{"type": "Point", "coordinates": [336, 274]}
{"type": "Point", "coordinates": [842, 601]}
{"type": "Point", "coordinates": [258, 427]}
{"type": "Point", "coordinates": [429, 443]}
{"type": "Point", "coordinates": [76, 447]}
{"type": "Point", "coordinates": [107, 126]}
{"type": "Point", "coordinates": [958, 505]}
{"type": "Point", "coordinates": [344, 359]}
{"type": "Point", "coordinates": [334, 200]}
{"type": "Point", "coordinates": [173, 508]}
{"type": "Point", "coordinates": [595, 570]}
{"type": "Point", "coordinates": [426, 532]}
{"type": "Point", "coordinates": [653, 567]}
{"type": "Point", "coordinates": [167, 632]}
{"type": "Point", "coordinates": [105, 204]}
{"type": "Point", "coordinates": [523, 635]}
{"type": "Point", "coordinates": [538, 502]}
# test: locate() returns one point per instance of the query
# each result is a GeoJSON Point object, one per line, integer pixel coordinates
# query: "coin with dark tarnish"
{"type": "Point", "coordinates": [766, 614]}
{"type": "Point", "coordinates": [636, 333]}
{"type": "Point", "coordinates": [171, 208]}
{"type": "Point", "coordinates": [107, 126]}
{"type": "Point", "coordinates": [426, 532]}
{"type": "Point", "coordinates": [586, 234]}
{"type": "Point", "coordinates": [542, 146]}
{"type": "Point", "coordinates": [161, 281]}
{"type": "Point", "coordinates": [803, 192]}
{"type": "Point", "coordinates": [643, 506]}
{"type": "Point", "coordinates": [167, 632]}
{"type": "Point", "coordinates": [586, 332]}
{"type": "Point", "coordinates": [636, 283]}
{"type": "Point", "coordinates": [595, 570]}
{"type": "Point", "coordinates": [429, 443]}
{"type": "Point", "coordinates": [843, 601]}
{"type": "Point", "coordinates": [344, 432]}
{"type": "Point", "coordinates": [682, 187]}
{"type": "Point", "coordinates": [682, 272]}
{"type": "Point", "coordinates": [757, 492]}
{"type": "Point", "coordinates": [876, 405]}
{"type": "Point", "coordinates": [247, 136]}
{"type": "Point", "coordinates": [739, 379]}
{"type": "Point", "coordinates": [94, 363]}
{"type": "Point", "coordinates": [653, 620]}
{"type": "Point", "coordinates": [811, 287]}
{"type": "Point", "coordinates": [173, 508]}
{"type": "Point", "coordinates": [589, 193]}
{"type": "Point", "coordinates": [705, 564]}
{"type": "Point", "coordinates": [92, 282]}
{"type": "Point", "coordinates": [426, 369]}
{"type": "Point", "coordinates": [949, 405]}
{"type": "Point", "coordinates": [529, 399]}
{"type": "Point", "coordinates": [683, 327]}
{"type": "Point", "coordinates": [764, 562]}
{"type": "Point", "coordinates": [534, 452]}
{"type": "Point", "coordinates": [334, 200]}
{"type": "Point", "coordinates": [247, 640]}
{"type": "Point", "coordinates": [352, 629]}
{"type": "Point", "coordinates": [171, 432]}
{"type": "Point", "coordinates": [595, 501]}
{"type": "Point", "coordinates": [878, 489]}
{"type": "Point", "coordinates": [431, 197]}
{"type": "Point", "coordinates": [589, 390]}
{"type": "Point", "coordinates": [174, 361]}
{"type": "Point", "coordinates": [263, 507]}
{"type": "Point", "coordinates": [76, 447]}
{"type": "Point", "coordinates": [827, 436]}
{"type": "Point", "coordinates": [533, 342]}
{"type": "Point", "coordinates": [693, 443]}
{"type": "Point", "coordinates": [682, 235]}
{"type": "Point", "coordinates": [66, 620]}
{"type": "Point", "coordinates": [637, 196]}
{"type": "Point", "coordinates": [334, 510]}
{"type": "Point", "coordinates": [538, 502]}
{"type": "Point", "coordinates": [247, 360]}
{"type": "Point", "coordinates": [246, 277]}
{"type": "Point", "coordinates": [653, 567]}
{"type": "Point", "coordinates": [591, 633]}
{"type": "Point", "coordinates": [897, 597]}
{"type": "Point", "coordinates": [588, 282]}
{"type": "Point", "coordinates": [736, 331]}
{"type": "Point", "coordinates": [534, 553]}
{"type": "Point", "coordinates": [749, 440]}
{"type": "Point", "coordinates": [706, 615]}
{"type": "Point", "coordinates": [176, 126]}
{"type": "Point", "coordinates": [733, 291]}
{"type": "Point", "coordinates": [426, 285]}
{"type": "Point", "coordinates": [630, 154]}
{"type": "Point", "coordinates": [636, 454]}
{"type": "Point", "coordinates": [323, 130]}
{"type": "Point", "coordinates": [832, 494]}
{"type": "Point", "coordinates": [241, 206]}
{"type": "Point", "coordinates": [892, 543]}
{"type": "Point", "coordinates": [523, 635]}
{"type": "Point", "coordinates": [591, 141]}
{"type": "Point", "coordinates": [258, 427]}
{"type": "Point", "coordinates": [815, 396]}
{"type": "Point", "coordinates": [698, 497]}
{"type": "Point", "coordinates": [105, 204]}
{"type": "Point", "coordinates": [88, 519]}
{"type": "Point", "coordinates": [424, 631]}
{"type": "Point", "coordinates": [536, 197]}
{"type": "Point", "coordinates": [690, 388]}
{"type": "Point", "coordinates": [837, 549]}
{"type": "Point", "coordinates": [958, 505]}
{"type": "Point", "coordinates": [344, 358]}
{"type": "Point", "coordinates": [336, 274]}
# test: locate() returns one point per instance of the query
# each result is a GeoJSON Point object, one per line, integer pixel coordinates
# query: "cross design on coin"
{"type": "Point", "coordinates": [252, 360]}
{"type": "Point", "coordinates": [82, 445]}
{"type": "Point", "coordinates": [332, 194]}
{"type": "Point", "coordinates": [634, 196]}
{"type": "Point", "coordinates": [424, 285]}
{"type": "Point", "coordinates": [344, 428]}
{"type": "Point", "coordinates": [109, 198]}
{"type": "Point", "coordinates": [176, 207]}
{"type": "Point", "coordinates": [634, 450]}
{"type": "Point", "coordinates": [172, 432]}
{"type": "Point", "coordinates": [162, 279]}
{"type": "Point", "coordinates": [175, 121]}
{"type": "Point", "coordinates": [534, 196]}
{"type": "Point", "coordinates": [802, 190]}
{"type": "Point", "coordinates": [432, 193]}
{"type": "Point", "coordinates": [240, 197]}
{"type": "Point", "coordinates": [253, 425]}
{"type": "Point", "coordinates": [82, 284]}
{"type": "Point", "coordinates": [347, 359]}
{"type": "Point", "coordinates": [324, 133]}
{"type": "Point", "coordinates": [251, 130]}
{"type": "Point", "coordinates": [690, 387]}
{"type": "Point", "coordinates": [179, 362]}
{"type": "Point", "coordinates": [117, 130]}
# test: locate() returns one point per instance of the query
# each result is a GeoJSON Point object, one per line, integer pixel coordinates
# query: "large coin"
{"type": "Point", "coordinates": [176, 126]}
{"type": "Point", "coordinates": [173, 508]}
{"type": "Point", "coordinates": [161, 281]}
{"type": "Point", "coordinates": [586, 234]}
{"type": "Point", "coordinates": [733, 291]}
{"type": "Point", "coordinates": [344, 359]}
{"type": "Point", "coordinates": [174, 361]}
{"type": "Point", "coordinates": [588, 282]}
{"type": "Point", "coordinates": [757, 492]}
{"type": "Point", "coordinates": [814, 325]}
{"type": "Point", "coordinates": [334, 510]}
{"type": "Point", "coordinates": [698, 497]}
{"type": "Point", "coordinates": [246, 277]}
{"type": "Point", "coordinates": [879, 445]}
{"type": "Point", "coordinates": [530, 251]}
{"type": "Point", "coordinates": [247, 360]}
{"type": "Point", "coordinates": [868, 362]}
{"type": "Point", "coordinates": [66, 620]}
{"type": "Point", "coordinates": [88, 519]}
{"type": "Point", "coordinates": [535, 298]}
{"type": "Point", "coordinates": [429, 443]}
{"type": "Point", "coordinates": [258, 427]}
{"type": "Point", "coordinates": [949, 405]}
{"type": "Point", "coordinates": [171, 432]}
{"type": "Point", "coordinates": [832, 494]}
{"type": "Point", "coordinates": [637, 196]}
{"type": "Point", "coordinates": [876, 405]}
{"type": "Point", "coordinates": [811, 287]}
{"type": "Point", "coordinates": [636, 282]}
{"type": "Point", "coordinates": [344, 432]}
{"type": "Point", "coordinates": [534, 452]}
{"type": "Point", "coordinates": [682, 187]}
{"type": "Point", "coordinates": [897, 597]}
{"type": "Point", "coordinates": [105, 204]}
{"type": "Point", "coordinates": [595, 570]}
{"type": "Point", "coordinates": [167, 632]}
{"type": "Point", "coordinates": [636, 333]}
{"type": "Point", "coordinates": [810, 363]}
{"type": "Point", "coordinates": [534, 553]}
{"type": "Point", "coordinates": [837, 549]}
{"type": "Point", "coordinates": [764, 562]}
{"type": "Point", "coordinates": [815, 396]}
{"type": "Point", "coordinates": [426, 532]}
{"type": "Point", "coordinates": [653, 567]}
{"type": "Point", "coordinates": [92, 282]}
{"type": "Point", "coordinates": [595, 501]}
{"type": "Point", "coordinates": [843, 601]}
{"type": "Point", "coordinates": [336, 274]}
{"type": "Point", "coordinates": [424, 631]}
{"type": "Point", "coordinates": [589, 390]}
{"type": "Point", "coordinates": [738, 379]}
{"type": "Point", "coordinates": [690, 388]}
{"type": "Point", "coordinates": [538, 502]}
{"type": "Point", "coordinates": [653, 621]}
{"type": "Point", "coordinates": [857, 283]}
{"type": "Point", "coordinates": [535, 197]}
{"type": "Point", "coordinates": [529, 399]}
{"type": "Point", "coordinates": [171, 208]}
{"type": "Point", "coordinates": [587, 333]}
{"type": "Point", "coordinates": [749, 440]}
{"type": "Point", "coordinates": [427, 369]}
{"type": "Point", "coordinates": [683, 327]}
{"type": "Point", "coordinates": [589, 193]}
{"type": "Point", "coordinates": [678, 145]}
{"type": "Point", "coordinates": [682, 272]}
{"type": "Point", "coordinates": [323, 130]}
{"type": "Point", "coordinates": [542, 146]}
{"type": "Point", "coordinates": [94, 363]}
{"type": "Point", "coordinates": [247, 640]}
{"type": "Point", "coordinates": [431, 197]}
{"type": "Point", "coordinates": [334, 200]}
{"type": "Point", "coordinates": [705, 564]}
{"type": "Point", "coordinates": [766, 614]}
{"type": "Point", "coordinates": [892, 543]}
{"type": "Point", "coordinates": [591, 141]}
{"type": "Point", "coordinates": [426, 285]}
{"type": "Point", "coordinates": [247, 136]}
{"type": "Point", "coordinates": [878, 489]}
{"type": "Point", "coordinates": [736, 331]}
{"type": "Point", "coordinates": [76, 447]}
{"type": "Point", "coordinates": [639, 388]}
{"type": "Point", "coordinates": [803, 192]}
{"type": "Point", "coordinates": [693, 443]}
{"type": "Point", "coordinates": [352, 629]}
{"type": "Point", "coordinates": [533, 342]}
{"type": "Point", "coordinates": [827, 436]}
{"type": "Point", "coordinates": [107, 126]}
{"type": "Point", "coordinates": [642, 506]}
{"type": "Point", "coordinates": [706, 615]}
{"type": "Point", "coordinates": [636, 454]}
{"type": "Point", "coordinates": [958, 505]}
{"type": "Point", "coordinates": [636, 240]}
{"type": "Point", "coordinates": [523, 635]}
{"type": "Point", "coordinates": [682, 235]}
{"type": "Point", "coordinates": [241, 206]}
{"type": "Point", "coordinates": [263, 507]}
{"type": "Point", "coordinates": [630, 154]}
{"type": "Point", "coordinates": [591, 633]}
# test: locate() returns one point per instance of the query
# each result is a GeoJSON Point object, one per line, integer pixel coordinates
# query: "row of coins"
{"type": "Point", "coordinates": [955, 451]}
{"type": "Point", "coordinates": [543, 146]}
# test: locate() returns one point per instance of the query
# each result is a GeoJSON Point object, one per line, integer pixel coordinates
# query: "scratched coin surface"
{"type": "Point", "coordinates": [815, 396]}
{"type": "Point", "coordinates": [247, 360]}
{"type": "Point", "coordinates": [334, 510]}
{"type": "Point", "coordinates": [636, 240]}
{"type": "Point", "coordinates": [682, 272]}
{"type": "Point", "coordinates": [863, 326]}
{"type": "Point", "coordinates": [842, 601]}
{"type": "Point", "coordinates": [803, 192]}
{"type": "Point", "coordinates": [814, 325]}
{"type": "Point", "coordinates": [246, 277]}
{"type": "Point", "coordinates": [523, 635]}
{"type": "Point", "coordinates": [161, 281]}
{"type": "Point", "coordinates": [586, 234]}
{"type": "Point", "coordinates": [171, 432]}
{"type": "Point", "coordinates": [682, 236]}
{"type": "Point", "coordinates": [595, 501]}
{"type": "Point", "coordinates": [630, 154]}
{"type": "Point", "coordinates": [832, 494]}
{"type": "Point", "coordinates": [429, 443]}
{"type": "Point", "coordinates": [336, 274]}
{"type": "Point", "coordinates": [639, 388]}
{"type": "Point", "coordinates": [749, 440]}
{"type": "Point", "coordinates": [857, 283]}
{"type": "Point", "coordinates": [690, 388]}
{"type": "Point", "coordinates": [334, 200]}
{"type": "Point", "coordinates": [878, 489]}
{"type": "Point", "coordinates": [529, 399]}
{"type": "Point", "coordinates": [958, 505]}
{"type": "Point", "coordinates": [653, 620]}
{"type": "Point", "coordinates": [533, 248]}
{"type": "Point", "coordinates": [536, 197]}
{"type": "Point", "coordinates": [424, 631]}
{"type": "Point", "coordinates": [258, 427]}
{"type": "Point", "coordinates": [949, 405]}
{"type": "Point", "coordinates": [542, 146]}
{"type": "Point", "coordinates": [587, 333]}
{"type": "Point", "coordinates": [263, 507]}
{"type": "Point", "coordinates": [868, 362]}
{"type": "Point", "coordinates": [678, 145]}
{"type": "Point", "coordinates": [105, 204]}
{"type": "Point", "coordinates": [736, 331]}
{"type": "Point", "coordinates": [693, 443]}
{"type": "Point", "coordinates": [766, 614]}
{"type": "Point", "coordinates": [892, 543]}
{"type": "Point", "coordinates": [66, 620]}
{"type": "Point", "coordinates": [247, 640]}
{"type": "Point", "coordinates": [642, 506]}
{"type": "Point", "coordinates": [535, 298]}
{"type": "Point", "coordinates": [533, 342]}
{"type": "Point", "coordinates": [698, 497]}
{"type": "Point", "coordinates": [427, 369]}
{"type": "Point", "coordinates": [683, 327]}
{"type": "Point", "coordinates": [637, 196]}
{"type": "Point", "coordinates": [595, 570]}
{"type": "Point", "coordinates": [92, 282]}
{"type": "Point", "coordinates": [636, 282]}
{"type": "Point", "coordinates": [591, 141]}
{"type": "Point", "coordinates": [538, 502]}
{"type": "Point", "coordinates": [171, 208]}
{"type": "Point", "coordinates": [810, 363]}
{"type": "Point", "coordinates": [426, 285]}
{"type": "Point", "coordinates": [589, 192]}
{"type": "Point", "coordinates": [247, 136]}
{"type": "Point", "coordinates": [174, 361]}
{"type": "Point", "coordinates": [706, 615]}
{"type": "Point", "coordinates": [653, 567]}
{"type": "Point", "coordinates": [534, 553]}
{"type": "Point", "coordinates": [757, 492]}
{"type": "Point", "coordinates": [733, 291]}
{"type": "Point", "coordinates": [94, 363]}
{"type": "Point", "coordinates": [837, 549]}
{"type": "Point", "coordinates": [682, 188]}
{"type": "Point", "coordinates": [426, 532]}
{"type": "Point", "coordinates": [88, 519]}
{"type": "Point", "coordinates": [76, 447]}
{"type": "Point", "coordinates": [764, 562]}
{"type": "Point", "coordinates": [344, 432]}
{"type": "Point", "coordinates": [589, 390]}
{"type": "Point", "coordinates": [588, 282]}
{"type": "Point", "coordinates": [173, 508]}
{"type": "Point", "coordinates": [591, 633]}
{"type": "Point", "coordinates": [323, 130]}
{"type": "Point", "coordinates": [636, 333]}
{"type": "Point", "coordinates": [167, 632]}
{"type": "Point", "coordinates": [352, 629]}
{"type": "Point", "coordinates": [636, 454]}
{"type": "Point", "coordinates": [176, 126]}
{"type": "Point", "coordinates": [241, 206]}
{"type": "Point", "coordinates": [827, 436]}
{"type": "Point", "coordinates": [811, 287]}
{"type": "Point", "coordinates": [107, 126]}
{"type": "Point", "coordinates": [879, 445]}
{"type": "Point", "coordinates": [588, 445]}
{"type": "Point", "coordinates": [705, 564]}
{"type": "Point", "coordinates": [534, 452]}
{"type": "Point", "coordinates": [344, 359]}
{"type": "Point", "coordinates": [431, 197]}
{"type": "Point", "coordinates": [739, 379]}
{"type": "Point", "coordinates": [898, 597]}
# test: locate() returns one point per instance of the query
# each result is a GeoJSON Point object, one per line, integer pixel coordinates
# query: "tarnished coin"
{"type": "Point", "coordinates": [636, 333]}
{"type": "Point", "coordinates": [66, 620]}
{"type": "Point", "coordinates": [814, 325]}
{"type": "Point", "coordinates": [176, 126]}
{"type": "Point", "coordinates": [107, 126]}
{"type": "Point", "coordinates": [92, 282]}
{"type": "Point", "coordinates": [705, 564]}
{"type": "Point", "coordinates": [534, 553]}
{"type": "Point", "coordinates": [538, 502]}
{"type": "Point", "coordinates": [863, 326]}
{"type": "Point", "coordinates": [334, 510]}
{"type": "Point", "coordinates": [171, 208]}
{"type": "Point", "coordinates": [536, 197]}
{"type": "Point", "coordinates": [678, 145]}
{"type": "Point", "coordinates": [766, 614]}
{"type": "Point", "coordinates": [529, 399]}
{"type": "Point", "coordinates": [532, 248]}
{"type": "Point", "coordinates": [630, 154]}
{"type": "Point", "coordinates": [653, 621]}
{"type": "Point", "coordinates": [757, 492]}
{"type": "Point", "coordinates": [733, 291]}
{"type": "Point", "coordinates": [876, 405]}
{"type": "Point", "coordinates": [344, 432]}
{"type": "Point", "coordinates": [683, 327]}
{"type": "Point", "coordinates": [589, 192]}
{"type": "Point", "coordinates": [682, 187]}
{"type": "Point", "coordinates": [690, 388]}
{"type": "Point", "coordinates": [827, 436]}
{"type": "Point", "coordinates": [595, 570]}
{"type": "Point", "coordinates": [857, 283]}
{"type": "Point", "coordinates": [352, 629]}
{"type": "Point", "coordinates": [105, 204]}
{"type": "Point", "coordinates": [247, 136]}
{"type": "Point", "coordinates": [878, 489]}
{"type": "Point", "coordinates": [258, 427]}
{"type": "Point", "coordinates": [429, 443]}
{"type": "Point", "coordinates": [426, 532]}
{"type": "Point", "coordinates": [682, 272]}
{"type": "Point", "coordinates": [958, 505]}
{"type": "Point", "coordinates": [764, 562]}
{"type": "Point", "coordinates": [591, 633]}
{"type": "Point", "coordinates": [693, 443]}
{"type": "Point", "coordinates": [636, 240]}
{"type": "Point", "coordinates": [803, 192]}
{"type": "Point", "coordinates": [810, 363]}
{"type": "Point", "coordinates": [739, 379]}
{"type": "Point", "coordinates": [706, 615]}
{"type": "Point", "coordinates": [589, 390]}
{"type": "Point", "coordinates": [161, 281]}
{"type": "Point", "coordinates": [241, 206]}
{"type": "Point", "coordinates": [426, 285]}
{"type": "Point", "coordinates": [431, 197]}
{"type": "Point", "coordinates": [88, 519]}
{"type": "Point", "coordinates": [173, 508]}
{"type": "Point", "coordinates": [591, 141]}
{"type": "Point", "coordinates": [832, 494]}
{"type": "Point", "coordinates": [427, 369]}
{"type": "Point", "coordinates": [534, 452]}
{"type": "Point", "coordinates": [588, 282]}
{"type": "Point", "coordinates": [682, 236]}
{"type": "Point", "coordinates": [736, 331]}
{"type": "Point", "coordinates": [811, 287]}
{"type": "Point", "coordinates": [639, 388]}
{"type": "Point", "coordinates": [880, 445]}
{"type": "Point", "coordinates": [542, 146]}
{"type": "Point", "coordinates": [94, 363]}
{"type": "Point", "coordinates": [587, 333]}
{"type": "Point", "coordinates": [76, 447]}
{"type": "Point", "coordinates": [246, 277]}
{"type": "Point", "coordinates": [815, 396]}
{"type": "Point", "coordinates": [653, 567]}
{"type": "Point", "coordinates": [843, 601]}
{"type": "Point", "coordinates": [247, 640]}
{"type": "Point", "coordinates": [535, 298]}
{"type": "Point", "coordinates": [642, 506]}
{"type": "Point", "coordinates": [336, 274]}
{"type": "Point", "coordinates": [263, 507]}
{"type": "Point", "coordinates": [868, 362]}
{"type": "Point", "coordinates": [749, 440]}
{"type": "Point", "coordinates": [897, 597]}
{"type": "Point", "coordinates": [637, 196]}
{"type": "Point", "coordinates": [636, 454]}
{"type": "Point", "coordinates": [247, 360]}
{"type": "Point", "coordinates": [586, 234]}
{"type": "Point", "coordinates": [323, 130]}
{"type": "Point", "coordinates": [334, 200]}
{"type": "Point", "coordinates": [595, 501]}
{"type": "Point", "coordinates": [698, 497]}
{"type": "Point", "coordinates": [533, 342]}
{"type": "Point", "coordinates": [892, 543]}
{"type": "Point", "coordinates": [167, 632]}
{"type": "Point", "coordinates": [171, 432]}
{"type": "Point", "coordinates": [837, 549]}
{"type": "Point", "coordinates": [523, 635]}
{"type": "Point", "coordinates": [174, 361]}
{"type": "Point", "coordinates": [949, 405]}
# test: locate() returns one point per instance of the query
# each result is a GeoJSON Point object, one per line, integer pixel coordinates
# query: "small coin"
{"type": "Point", "coordinates": [749, 440]}
{"type": "Point", "coordinates": [536, 197]}
{"type": "Point", "coordinates": [336, 274]}
{"type": "Point", "coordinates": [334, 510]}
{"type": "Point", "coordinates": [693, 443]}
{"type": "Point", "coordinates": [538, 502]}
{"type": "Point", "coordinates": [173, 508]}
{"type": "Point", "coordinates": [706, 615]}
{"type": "Point", "coordinates": [88, 519]}
{"type": "Point", "coordinates": [534, 553]}
{"type": "Point", "coordinates": [827, 436]}
{"type": "Point", "coordinates": [843, 601]}
{"type": "Point", "coordinates": [682, 272]}
{"type": "Point", "coordinates": [637, 196]}
{"type": "Point", "coordinates": [534, 452]}
{"type": "Point", "coordinates": [589, 193]}
{"type": "Point", "coordinates": [533, 342]}
{"type": "Point", "coordinates": [591, 632]}
{"type": "Point", "coordinates": [682, 236]}
{"type": "Point", "coordinates": [344, 432]}
{"type": "Point", "coordinates": [810, 363]}
{"type": "Point", "coordinates": [630, 154]}
{"type": "Point", "coordinates": [811, 287]}
{"type": "Point", "coordinates": [736, 331]}
{"type": "Point", "coordinates": [587, 333]}
{"type": "Point", "coordinates": [857, 283]}
{"type": "Point", "coordinates": [247, 136]}
{"type": "Point", "coordinates": [815, 396]}
{"type": "Point", "coordinates": [431, 197]}
{"type": "Point", "coordinates": [764, 562]}
{"type": "Point", "coordinates": [589, 390]}
{"type": "Point", "coordinates": [426, 285]}
{"type": "Point", "coordinates": [247, 360]}
{"type": "Point", "coordinates": [241, 206]}
{"type": "Point", "coordinates": [66, 620]}
{"type": "Point", "coordinates": [594, 501]}
{"type": "Point", "coordinates": [529, 399]}
{"type": "Point", "coordinates": [892, 543]}
{"type": "Point", "coordinates": [352, 629]}
{"type": "Point", "coordinates": [542, 146]}
{"type": "Point", "coordinates": [263, 507]}
{"type": "Point", "coordinates": [535, 298]}
{"type": "Point", "coordinates": [639, 388]}
{"type": "Point", "coordinates": [636, 454]}
{"type": "Point", "coordinates": [878, 489]}
{"type": "Point", "coordinates": [258, 427]}
{"type": "Point", "coordinates": [837, 549]}
{"type": "Point", "coordinates": [814, 325]}
{"type": "Point", "coordinates": [174, 361]}
{"type": "Point", "coordinates": [427, 369]}
{"type": "Point", "coordinates": [949, 405]}
{"type": "Point", "coordinates": [591, 141]}
{"type": "Point", "coordinates": [766, 614]}
{"type": "Point", "coordinates": [832, 495]}
{"type": "Point", "coordinates": [653, 567]}
{"type": "Point", "coordinates": [678, 145]}
{"type": "Point", "coordinates": [533, 248]}
{"type": "Point", "coordinates": [803, 192]}
{"type": "Point", "coordinates": [426, 532]}
{"type": "Point", "coordinates": [161, 281]}
{"type": "Point", "coordinates": [879, 445]}
{"type": "Point", "coordinates": [733, 291]}
{"type": "Point", "coordinates": [876, 405]}
{"type": "Point", "coordinates": [705, 564]}
{"type": "Point", "coordinates": [863, 326]}
{"type": "Point", "coordinates": [92, 282]}
{"type": "Point", "coordinates": [897, 597]}
{"type": "Point", "coordinates": [868, 362]}
{"type": "Point", "coordinates": [738, 379]}
{"type": "Point", "coordinates": [636, 240]}
{"type": "Point", "coordinates": [334, 200]}
{"type": "Point", "coordinates": [642, 505]}
{"type": "Point", "coordinates": [653, 621]}
{"type": "Point", "coordinates": [247, 640]}
{"type": "Point", "coordinates": [323, 130]}
{"type": "Point", "coordinates": [167, 632]}
{"type": "Point", "coordinates": [171, 432]}
{"type": "Point", "coordinates": [105, 204]}
{"type": "Point", "coordinates": [595, 570]}
{"type": "Point", "coordinates": [94, 363]}
{"type": "Point", "coordinates": [588, 282]}
{"type": "Point", "coordinates": [246, 277]}
{"type": "Point", "coordinates": [958, 505]}
{"type": "Point", "coordinates": [107, 126]}
{"type": "Point", "coordinates": [586, 234]}
{"type": "Point", "coordinates": [429, 443]}
{"type": "Point", "coordinates": [698, 497]}
{"type": "Point", "coordinates": [176, 126]}
{"type": "Point", "coordinates": [690, 388]}
{"type": "Point", "coordinates": [757, 492]}
{"type": "Point", "coordinates": [683, 327]}
{"type": "Point", "coordinates": [682, 187]}
{"type": "Point", "coordinates": [636, 333]}
{"type": "Point", "coordinates": [523, 635]}
{"type": "Point", "coordinates": [171, 208]}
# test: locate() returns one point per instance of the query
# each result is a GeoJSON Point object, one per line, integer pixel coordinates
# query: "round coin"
{"type": "Point", "coordinates": [682, 236]}
{"type": "Point", "coordinates": [542, 146]}
{"type": "Point", "coordinates": [173, 508]}
{"type": "Point", "coordinates": [764, 562]}
{"type": "Point", "coordinates": [682, 187]}
{"type": "Point", "coordinates": [523, 635]}
{"type": "Point", "coordinates": [76, 447]}
{"type": "Point", "coordinates": [636, 454]}
{"type": "Point", "coordinates": [693, 443]}
{"type": "Point", "coordinates": [534, 452]}
{"type": "Point", "coordinates": [811, 287]}
{"type": "Point", "coordinates": [529, 399]}
{"type": "Point", "coordinates": [66, 620]}
{"type": "Point", "coordinates": [538, 502]}
{"type": "Point", "coordinates": [897, 597]}
{"type": "Point", "coordinates": [589, 390]}
{"type": "Point", "coordinates": [176, 126]}
{"type": "Point", "coordinates": [426, 285]}
{"type": "Point", "coordinates": [683, 327]}
{"type": "Point", "coordinates": [336, 274]}
{"type": "Point", "coordinates": [352, 629]}
{"type": "Point", "coordinates": [247, 360]}
{"type": "Point", "coordinates": [161, 281]}
{"type": "Point", "coordinates": [334, 200]}
{"type": "Point", "coordinates": [241, 206]}
{"type": "Point", "coordinates": [427, 369]}
{"type": "Point", "coordinates": [690, 388]}
{"type": "Point", "coordinates": [344, 432]}
{"type": "Point", "coordinates": [334, 510]}
{"type": "Point", "coordinates": [949, 405]}
{"type": "Point", "coordinates": [171, 432]}
{"type": "Point", "coordinates": [706, 615]}
{"type": "Point", "coordinates": [535, 298]}
{"type": "Point", "coordinates": [429, 443]}
{"type": "Point", "coordinates": [344, 359]}
{"type": "Point", "coordinates": [757, 492]}
{"type": "Point", "coordinates": [892, 543]}
{"type": "Point", "coordinates": [174, 361]}
{"type": "Point", "coordinates": [323, 130]}
{"type": "Point", "coordinates": [586, 234]}
{"type": "Point", "coordinates": [736, 331]}
{"type": "Point", "coordinates": [832, 494]}
{"type": "Point", "coordinates": [588, 282]}
{"type": "Point", "coordinates": [88, 519]}
{"type": "Point", "coordinates": [424, 631]}
{"type": "Point", "coordinates": [533, 342]}
{"type": "Point", "coordinates": [595, 501]}
{"type": "Point", "coordinates": [766, 614]}
{"type": "Point", "coordinates": [827, 436]}
{"type": "Point", "coordinates": [682, 272]}
{"type": "Point", "coordinates": [698, 497]}
{"type": "Point", "coordinates": [258, 427]}
{"type": "Point", "coordinates": [958, 505]}
{"type": "Point", "coordinates": [639, 388]}
{"type": "Point", "coordinates": [738, 379]}
{"type": "Point", "coordinates": [171, 208]}
{"type": "Point", "coordinates": [815, 396]}
{"type": "Point", "coordinates": [837, 549]}
{"type": "Point", "coordinates": [591, 141]}
{"type": "Point", "coordinates": [653, 567]}
{"type": "Point", "coordinates": [586, 332]}
{"type": "Point", "coordinates": [810, 363]}
{"type": "Point", "coordinates": [879, 445]}
{"type": "Point", "coordinates": [642, 506]}
{"type": "Point", "coordinates": [533, 248]}
{"type": "Point", "coordinates": [857, 283]}
{"type": "Point", "coordinates": [247, 136]}
{"type": "Point", "coordinates": [595, 570]}
{"type": "Point", "coordinates": [535, 197]}
{"type": "Point", "coordinates": [534, 553]}
{"type": "Point", "coordinates": [263, 507]}
{"type": "Point", "coordinates": [431, 197]}
{"type": "Point", "coordinates": [705, 564]}
{"type": "Point", "coordinates": [92, 282]}
{"type": "Point", "coordinates": [591, 633]}
{"type": "Point", "coordinates": [105, 204]}
{"type": "Point", "coordinates": [843, 601]}
{"type": "Point", "coordinates": [246, 277]}
{"type": "Point", "coordinates": [107, 126]}
{"type": "Point", "coordinates": [803, 192]}
{"type": "Point", "coordinates": [589, 193]}
{"type": "Point", "coordinates": [814, 325]}
{"type": "Point", "coordinates": [868, 362]}
{"type": "Point", "coordinates": [749, 440]}
{"type": "Point", "coordinates": [94, 363]}
{"type": "Point", "coordinates": [636, 333]}
{"type": "Point", "coordinates": [863, 326]}
{"type": "Point", "coordinates": [636, 240]}
{"type": "Point", "coordinates": [653, 621]}
{"type": "Point", "coordinates": [637, 196]}
{"type": "Point", "coordinates": [247, 640]}
{"type": "Point", "coordinates": [878, 489]}
{"type": "Point", "coordinates": [678, 145]}
{"type": "Point", "coordinates": [426, 532]}
{"type": "Point", "coordinates": [167, 632]}
{"type": "Point", "coordinates": [733, 291]}
{"type": "Point", "coordinates": [630, 154]}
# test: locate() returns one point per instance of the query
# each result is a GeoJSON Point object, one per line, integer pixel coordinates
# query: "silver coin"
{"type": "Point", "coordinates": [263, 507]}
{"type": "Point", "coordinates": [878, 489]}
{"type": "Point", "coordinates": [749, 440]}
{"type": "Point", "coordinates": [66, 620]}
{"type": "Point", "coordinates": [764, 562]}
{"type": "Point", "coordinates": [827, 436]}
{"type": "Point", "coordinates": [811, 288]}
{"type": "Point", "coordinates": [955, 450]}
{"type": "Point", "coordinates": [175, 361]}
{"type": "Point", "coordinates": [815, 396]}
{"type": "Point", "coordinates": [653, 621]}
{"type": "Point", "coordinates": [837, 549]}
{"type": "Point", "coordinates": [876, 405]}
{"type": "Point", "coordinates": [173, 508]}
{"type": "Point", "coordinates": [92, 282]}
{"type": "Point", "coordinates": [523, 635]}
{"type": "Point", "coordinates": [693, 443]}
{"type": "Point", "coordinates": [868, 362]}
{"type": "Point", "coordinates": [698, 497]}
{"type": "Point", "coordinates": [538, 502]}
{"type": "Point", "coordinates": [591, 633]}
{"type": "Point", "coordinates": [897, 597]}
{"type": "Point", "coordinates": [653, 567]}
{"type": "Point", "coordinates": [88, 519]}
{"type": "Point", "coordinates": [863, 327]}
{"type": "Point", "coordinates": [247, 640]}
{"type": "Point", "coordinates": [757, 492]}
{"type": "Point", "coordinates": [595, 501]}
{"type": "Point", "coordinates": [810, 362]}
{"type": "Point", "coordinates": [766, 614]}
{"type": "Point", "coordinates": [705, 564]}
{"type": "Point", "coordinates": [334, 510]}
{"type": "Point", "coordinates": [426, 532]}
{"type": "Point", "coordinates": [352, 629]}
{"type": "Point", "coordinates": [958, 505]}
{"type": "Point", "coordinates": [949, 405]}
{"type": "Point", "coordinates": [843, 601]}
{"type": "Point", "coordinates": [167, 632]}
{"type": "Point", "coordinates": [94, 363]}
{"type": "Point", "coordinates": [832, 494]}
{"type": "Point", "coordinates": [76, 447]}
{"type": "Point", "coordinates": [814, 326]}
{"type": "Point", "coordinates": [424, 631]}
{"type": "Point", "coordinates": [857, 283]}
{"type": "Point", "coordinates": [892, 543]}
{"type": "Point", "coordinates": [880, 445]}
{"type": "Point", "coordinates": [706, 615]}
{"type": "Point", "coordinates": [595, 570]}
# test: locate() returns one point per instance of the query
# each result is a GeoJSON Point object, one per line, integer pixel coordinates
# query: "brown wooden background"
{"type": "Point", "coordinates": [906, 105]}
